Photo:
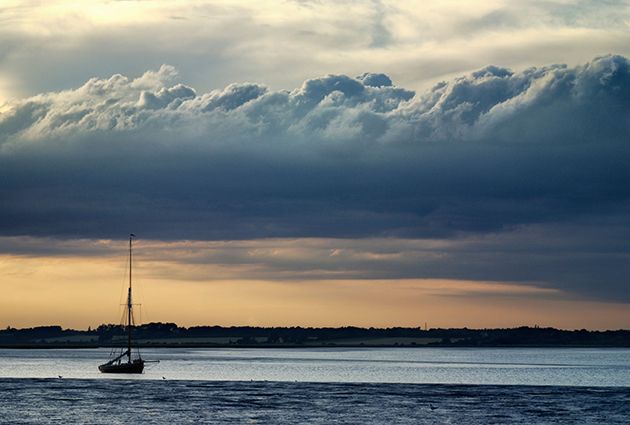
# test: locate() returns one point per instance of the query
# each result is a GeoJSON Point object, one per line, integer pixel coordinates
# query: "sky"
{"type": "Point", "coordinates": [316, 163]}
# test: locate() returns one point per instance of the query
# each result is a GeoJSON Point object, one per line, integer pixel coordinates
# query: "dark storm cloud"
{"type": "Point", "coordinates": [483, 154]}
{"type": "Point", "coordinates": [339, 156]}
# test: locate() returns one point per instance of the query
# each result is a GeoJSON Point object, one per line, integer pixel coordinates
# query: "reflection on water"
{"type": "Point", "coordinates": [561, 366]}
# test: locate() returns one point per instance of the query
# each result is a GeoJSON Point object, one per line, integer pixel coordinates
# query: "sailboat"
{"type": "Point", "coordinates": [124, 361]}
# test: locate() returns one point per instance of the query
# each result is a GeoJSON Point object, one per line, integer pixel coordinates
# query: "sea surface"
{"type": "Point", "coordinates": [320, 386]}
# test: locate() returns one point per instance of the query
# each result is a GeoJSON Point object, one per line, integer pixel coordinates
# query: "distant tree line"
{"type": "Point", "coordinates": [169, 334]}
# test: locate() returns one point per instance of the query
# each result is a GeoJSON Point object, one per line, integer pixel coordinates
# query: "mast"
{"type": "Point", "coordinates": [129, 304]}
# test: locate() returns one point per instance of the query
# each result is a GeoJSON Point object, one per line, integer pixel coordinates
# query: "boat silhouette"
{"type": "Point", "coordinates": [123, 360]}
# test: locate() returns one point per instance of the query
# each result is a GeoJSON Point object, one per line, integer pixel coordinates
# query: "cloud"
{"type": "Point", "coordinates": [487, 150]}
{"type": "Point", "coordinates": [486, 155]}
{"type": "Point", "coordinates": [57, 45]}
{"type": "Point", "coordinates": [570, 262]}
{"type": "Point", "coordinates": [479, 105]}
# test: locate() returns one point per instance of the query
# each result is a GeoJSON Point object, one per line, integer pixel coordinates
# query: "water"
{"type": "Point", "coordinates": [551, 366]}
{"type": "Point", "coordinates": [106, 401]}
{"type": "Point", "coordinates": [371, 385]}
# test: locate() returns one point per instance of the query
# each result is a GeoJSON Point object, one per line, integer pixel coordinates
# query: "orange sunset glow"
{"type": "Point", "coordinates": [77, 292]}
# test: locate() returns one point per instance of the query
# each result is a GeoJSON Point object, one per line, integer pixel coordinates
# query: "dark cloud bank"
{"type": "Point", "coordinates": [495, 152]}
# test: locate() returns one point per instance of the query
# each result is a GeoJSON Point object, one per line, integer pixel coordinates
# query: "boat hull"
{"type": "Point", "coordinates": [134, 367]}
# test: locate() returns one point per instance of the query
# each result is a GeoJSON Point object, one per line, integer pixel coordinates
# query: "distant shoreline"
{"type": "Point", "coordinates": [169, 335]}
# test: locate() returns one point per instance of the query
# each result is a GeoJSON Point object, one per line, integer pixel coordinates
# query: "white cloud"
{"type": "Point", "coordinates": [491, 103]}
